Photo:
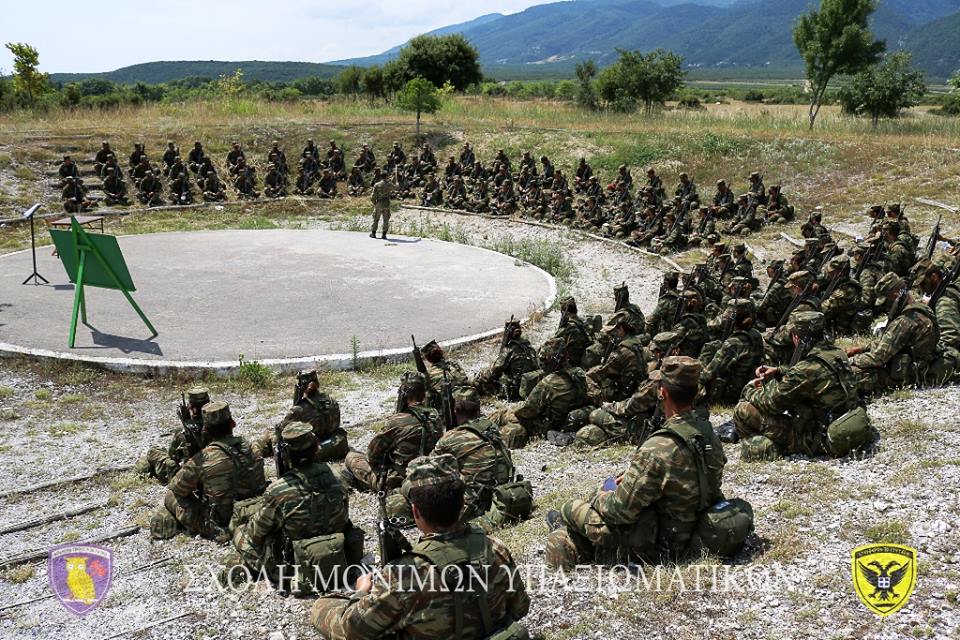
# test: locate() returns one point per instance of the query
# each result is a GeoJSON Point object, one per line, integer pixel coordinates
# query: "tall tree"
{"type": "Point", "coordinates": [884, 89]}
{"type": "Point", "coordinates": [586, 96]}
{"type": "Point", "coordinates": [441, 59]}
{"type": "Point", "coordinates": [419, 95]}
{"type": "Point", "coordinates": [28, 82]}
{"type": "Point", "coordinates": [835, 39]}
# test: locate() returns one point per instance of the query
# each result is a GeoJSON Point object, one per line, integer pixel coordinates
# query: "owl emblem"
{"type": "Point", "coordinates": [80, 575]}
{"type": "Point", "coordinates": [79, 581]}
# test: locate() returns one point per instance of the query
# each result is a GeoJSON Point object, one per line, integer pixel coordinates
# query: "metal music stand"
{"type": "Point", "coordinates": [29, 213]}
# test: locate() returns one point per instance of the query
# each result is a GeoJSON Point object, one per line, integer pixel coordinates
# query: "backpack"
{"type": "Point", "coordinates": [512, 501]}
{"type": "Point", "coordinates": [722, 527]}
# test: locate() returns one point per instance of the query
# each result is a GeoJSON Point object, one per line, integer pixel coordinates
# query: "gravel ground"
{"type": "Point", "coordinates": [792, 581]}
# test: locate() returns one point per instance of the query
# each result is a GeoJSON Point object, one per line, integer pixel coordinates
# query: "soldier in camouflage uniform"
{"type": "Point", "coordinates": [729, 365]}
{"type": "Point", "coordinates": [316, 408]}
{"type": "Point", "coordinates": [870, 274]}
{"type": "Point", "coordinates": [662, 317]}
{"type": "Point", "coordinates": [413, 597]}
{"type": "Point", "coordinates": [652, 513]}
{"type": "Point", "coordinates": [623, 309]}
{"type": "Point", "coordinates": [574, 331]}
{"type": "Point", "coordinates": [623, 367]}
{"type": "Point", "coordinates": [627, 419]}
{"type": "Point", "coordinates": [380, 196]}
{"type": "Point", "coordinates": [546, 408]}
{"type": "Point", "coordinates": [776, 297]}
{"type": "Point", "coordinates": [900, 254]}
{"type": "Point", "coordinates": [778, 209]}
{"type": "Point", "coordinates": [411, 432]}
{"type": "Point", "coordinates": [162, 463]}
{"type": "Point", "coordinates": [307, 502]}
{"type": "Point", "coordinates": [793, 405]}
{"type": "Point", "coordinates": [692, 324]}
{"type": "Point", "coordinates": [483, 459]}
{"type": "Point", "coordinates": [114, 189]}
{"type": "Point", "coordinates": [929, 277]}
{"type": "Point", "coordinates": [201, 495]}
{"type": "Point", "coordinates": [841, 306]}
{"type": "Point", "coordinates": [908, 347]}
{"type": "Point", "coordinates": [439, 370]}
{"type": "Point", "coordinates": [515, 358]}
{"type": "Point", "coordinates": [778, 343]}
{"type": "Point", "coordinates": [150, 190]}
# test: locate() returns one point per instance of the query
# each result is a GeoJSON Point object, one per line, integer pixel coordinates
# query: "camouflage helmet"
{"type": "Point", "coordinates": [305, 377]}
{"type": "Point", "coordinates": [413, 381]}
{"type": "Point", "coordinates": [466, 394]}
{"type": "Point", "coordinates": [680, 371]}
{"type": "Point", "coordinates": [665, 341]}
{"type": "Point", "coordinates": [299, 436]}
{"type": "Point", "coordinates": [630, 321]}
{"type": "Point", "coordinates": [198, 396]}
{"type": "Point", "coordinates": [427, 471]}
{"type": "Point", "coordinates": [758, 448]}
{"type": "Point", "coordinates": [807, 323]}
{"type": "Point", "coordinates": [838, 262]}
{"type": "Point", "coordinates": [742, 307]}
{"type": "Point", "coordinates": [888, 284]}
{"type": "Point", "coordinates": [216, 413]}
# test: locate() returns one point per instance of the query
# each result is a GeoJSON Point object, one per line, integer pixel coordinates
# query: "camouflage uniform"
{"type": "Point", "coordinates": [621, 372]}
{"type": "Point", "coordinates": [574, 330]}
{"type": "Point", "coordinates": [653, 512]}
{"type": "Point", "coordinates": [200, 497]}
{"type": "Point", "coordinates": [306, 502]}
{"type": "Point", "coordinates": [381, 206]}
{"type": "Point", "coordinates": [661, 318]}
{"type": "Point", "coordinates": [776, 298]}
{"type": "Point", "coordinates": [907, 348]}
{"type": "Point", "coordinates": [728, 367]}
{"type": "Point", "coordinates": [794, 409]}
{"type": "Point", "coordinates": [162, 463]}
{"type": "Point", "coordinates": [516, 357]}
{"type": "Point", "coordinates": [411, 599]}
{"type": "Point", "coordinates": [840, 309]}
{"type": "Point", "coordinates": [322, 413]}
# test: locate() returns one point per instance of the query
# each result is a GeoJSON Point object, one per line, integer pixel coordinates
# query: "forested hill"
{"type": "Point", "coordinates": [158, 72]}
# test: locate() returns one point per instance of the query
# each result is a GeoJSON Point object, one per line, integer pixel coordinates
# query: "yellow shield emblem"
{"type": "Point", "coordinates": [884, 576]}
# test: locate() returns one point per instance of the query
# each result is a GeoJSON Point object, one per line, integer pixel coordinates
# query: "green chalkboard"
{"type": "Point", "coordinates": [95, 274]}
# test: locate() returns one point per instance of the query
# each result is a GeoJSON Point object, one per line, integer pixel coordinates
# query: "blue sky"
{"type": "Point", "coordinates": [89, 37]}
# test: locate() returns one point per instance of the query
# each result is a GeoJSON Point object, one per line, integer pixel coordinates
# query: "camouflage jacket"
{"type": "Point", "coordinates": [304, 503]}
{"type": "Point", "coordinates": [553, 398]}
{"type": "Point", "coordinates": [407, 435]}
{"type": "Point", "coordinates": [642, 403]}
{"type": "Point", "coordinates": [481, 455]}
{"type": "Point", "coordinates": [735, 362]}
{"type": "Point", "coordinates": [693, 327]}
{"type": "Point", "coordinates": [822, 382]}
{"type": "Point", "coordinates": [844, 302]}
{"type": "Point", "coordinates": [913, 332]}
{"type": "Point", "coordinates": [624, 368]}
{"type": "Point", "coordinates": [403, 604]}
{"type": "Point", "coordinates": [661, 318]}
{"type": "Point", "coordinates": [869, 277]}
{"type": "Point", "coordinates": [320, 411]}
{"type": "Point", "coordinates": [901, 258]}
{"type": "Point", "coordinates": [575, 331]}
{"type": "Point", "coordinates": [663, 476]}
{"type": "Point", "coordinates": [515, 359]}
{"type": "Point", "coordinates": [948, 318]}
{"type": "Point", "coordinates": [380, 195]}
{"type": "Point", "coordinates": [435, 378]}
{"type": "Point", "coordinates": [227, 469]}
{"type": "Point", "coordinates": [774, 303]}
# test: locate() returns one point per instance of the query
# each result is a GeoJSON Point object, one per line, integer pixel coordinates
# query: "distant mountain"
{"type": "Point", "coordinates": [710, 34]}
{"type": "Point", "coordinates": [158, 72]}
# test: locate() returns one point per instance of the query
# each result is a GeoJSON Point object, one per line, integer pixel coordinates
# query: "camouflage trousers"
{"type": "Point", "coordinates": [397, 506]}
{"type": "Point", "coordinates": [187, 513]}
{"type": "Point", "coordinates": [796, 432]}
{"type": "Point", "coordinates": [327, 615]}
{"type": "Point", "coordinates": [586, 538]}
{"type": "Point", "coordinates": [157, 463]}
{"type": "Point", "coordinates": [901, 372]}
{"type": "Point", "coordinates": [604, 428]}
{"type": "Point", "coordinates": [380, 211]}
{"type": "Point", "coordinates": [514, 434]}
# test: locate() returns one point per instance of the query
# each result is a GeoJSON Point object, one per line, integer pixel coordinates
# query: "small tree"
{"type": "Point", "coordinates": [419, 95]}
{"type": "Point", "coordinates": [835, 39]}
{"type": "Point", "coordinates": [231, 86]}
{"type": "Point", "coordinates": [650, 78]}
{"type": "Point", "coordinates": [884, 89]}
{"type": "Point", "coordinates": [373, 83]}
{"type": "Point", "coordinates": [586, 96]}
{"type": "Point", "coordinates": [28, 82]}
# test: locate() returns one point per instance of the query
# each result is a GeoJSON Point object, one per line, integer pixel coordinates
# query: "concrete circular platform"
{"type": "Point", "coordinates": [286, 298]}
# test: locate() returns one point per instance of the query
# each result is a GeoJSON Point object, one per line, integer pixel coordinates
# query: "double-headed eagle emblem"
{"type": "Point", "coordinates": [884, 576]}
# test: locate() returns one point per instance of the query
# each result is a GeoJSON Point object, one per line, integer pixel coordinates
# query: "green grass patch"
{"type": "Point", "coordinates": [253, 374]}
{"type": "Point", "coordinates": [43, 395]}
{"type": "Point", "coordinates": [790, 510]}
{"type": "Point", "coordinates": [6, 392]}
{"type": "Point", "coordinates": [893, 531]}
{"type": "Point", "coordinates": [19, 575]}
{"type": "Point", "coordinates": [257, 222]}
{"type": "Point", "coordinates": [71, 399]}
{"type": "Point", "coordinates": [61, 429]}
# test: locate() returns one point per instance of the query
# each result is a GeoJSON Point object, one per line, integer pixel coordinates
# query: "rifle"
{"type": "Point", "coordinates": [794, 304]}
{"type": "Point", "coordinates": [418, 357]}
{"type": "Point", "coordinates": [868, 256]}
{"type": "Point", "coordinates": [192, 432]}
{"type": "Point", "coordinates": [447, 403]}
{"type": "Point", "coordinates": [834, 282]}
{"type": "Point", "coordinates": [801, 350]}
{"type": "Point", "coordinates": [390, 541]}
{"type": "Point", "coordinates": [948, 278]}
{"type": "Point", "coordinates": [703, 223]}
{"type": "Point", "coordinates": [934, 236]}
{"type": "Point", "coordinates": [766, 295]}
{"type": "Point", "coordinates": [505, 339]}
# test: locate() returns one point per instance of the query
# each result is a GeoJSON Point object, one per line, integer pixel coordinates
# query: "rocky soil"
{"type": "Point", "coordinates": [792, 582]}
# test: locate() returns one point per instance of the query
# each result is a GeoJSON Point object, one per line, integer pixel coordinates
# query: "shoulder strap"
{"type": "Point", "coordinates": [692, 439]}
{"type": "Point", "coordinates": [832, 369]}
{"type": "Point", "coordinates": [497, 444]}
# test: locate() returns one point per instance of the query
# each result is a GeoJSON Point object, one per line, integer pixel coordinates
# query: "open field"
{"type": "Point", "coordinates": [60, 420]}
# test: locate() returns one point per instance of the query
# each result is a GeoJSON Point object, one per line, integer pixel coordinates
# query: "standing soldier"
{"type": "Point", "coordinates": [200, 497]}
{"type": "Point", "coordinates": [382, 188]}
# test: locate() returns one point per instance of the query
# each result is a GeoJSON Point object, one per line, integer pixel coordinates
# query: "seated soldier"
{"type": "Point", "coordinates": [908, 352]}
{"type": "Point", "coordinates": [197, 158]}
{"type": "Point", "coordinates": [440, 370]}
{"type": "Point", "coordinates": [68, 169]}
{"type": "Point", "coordinates": [651, 512]}
{"type": "Point", "coordinates": [494, 493]}
{"type": "Point", "coordinates": [163, 463]}
{"type": "Point", "coordinates": [150, 190]}
{"type": "Point", "coordinates": [201, 495]}
{"type": "Point", "coordinates": [356, 184]}
{"type": "Point", "coordinates": [792, 406]}
{"type": "Point", "coordinates": [303, 185]}
{"type": "Point", "coordinates": [562, 390]}
{"type": "Point", "coordinates": [432, 193]}
{"type": "Point", "coordinates": [235, 159]}
{"type": "Point", "coordinates": [181, 191]}
{"type": "Point", "coordinates": [730, 363]}
{"type": "Point", "coordinates": [327, 185]}
{"type": "Point", "coordinates": [515, 358]}
{"type": "Point", "coordinates": [411, 432]}
{"type": "Point", "coordinates": [275, 182]}
{"type": "Point", "coordinates": [398, 602]}
{"type": "Point", "coordinates": [320, 411]}
{"type": "Point", "coordinates": [245, 181]}
{"type": "Point", "coordinates": [778, 209]}
{"type": "Point", "coordinates": [841, 300]}
{"type": "Point", "coordinates": [213, 190]}
{"type": "Point", "coordinates": [169, 157]}
{"type": "Point", "coordinates": [101, 158]}
{"type": "Point", "coordinates": [308, 509]}
{"type": "Point", "coordinates": [623, 367]}
{"type": "Point", "coordinates": [114, 189]}
{"type": "Point", "coordinates": [74, 197]}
